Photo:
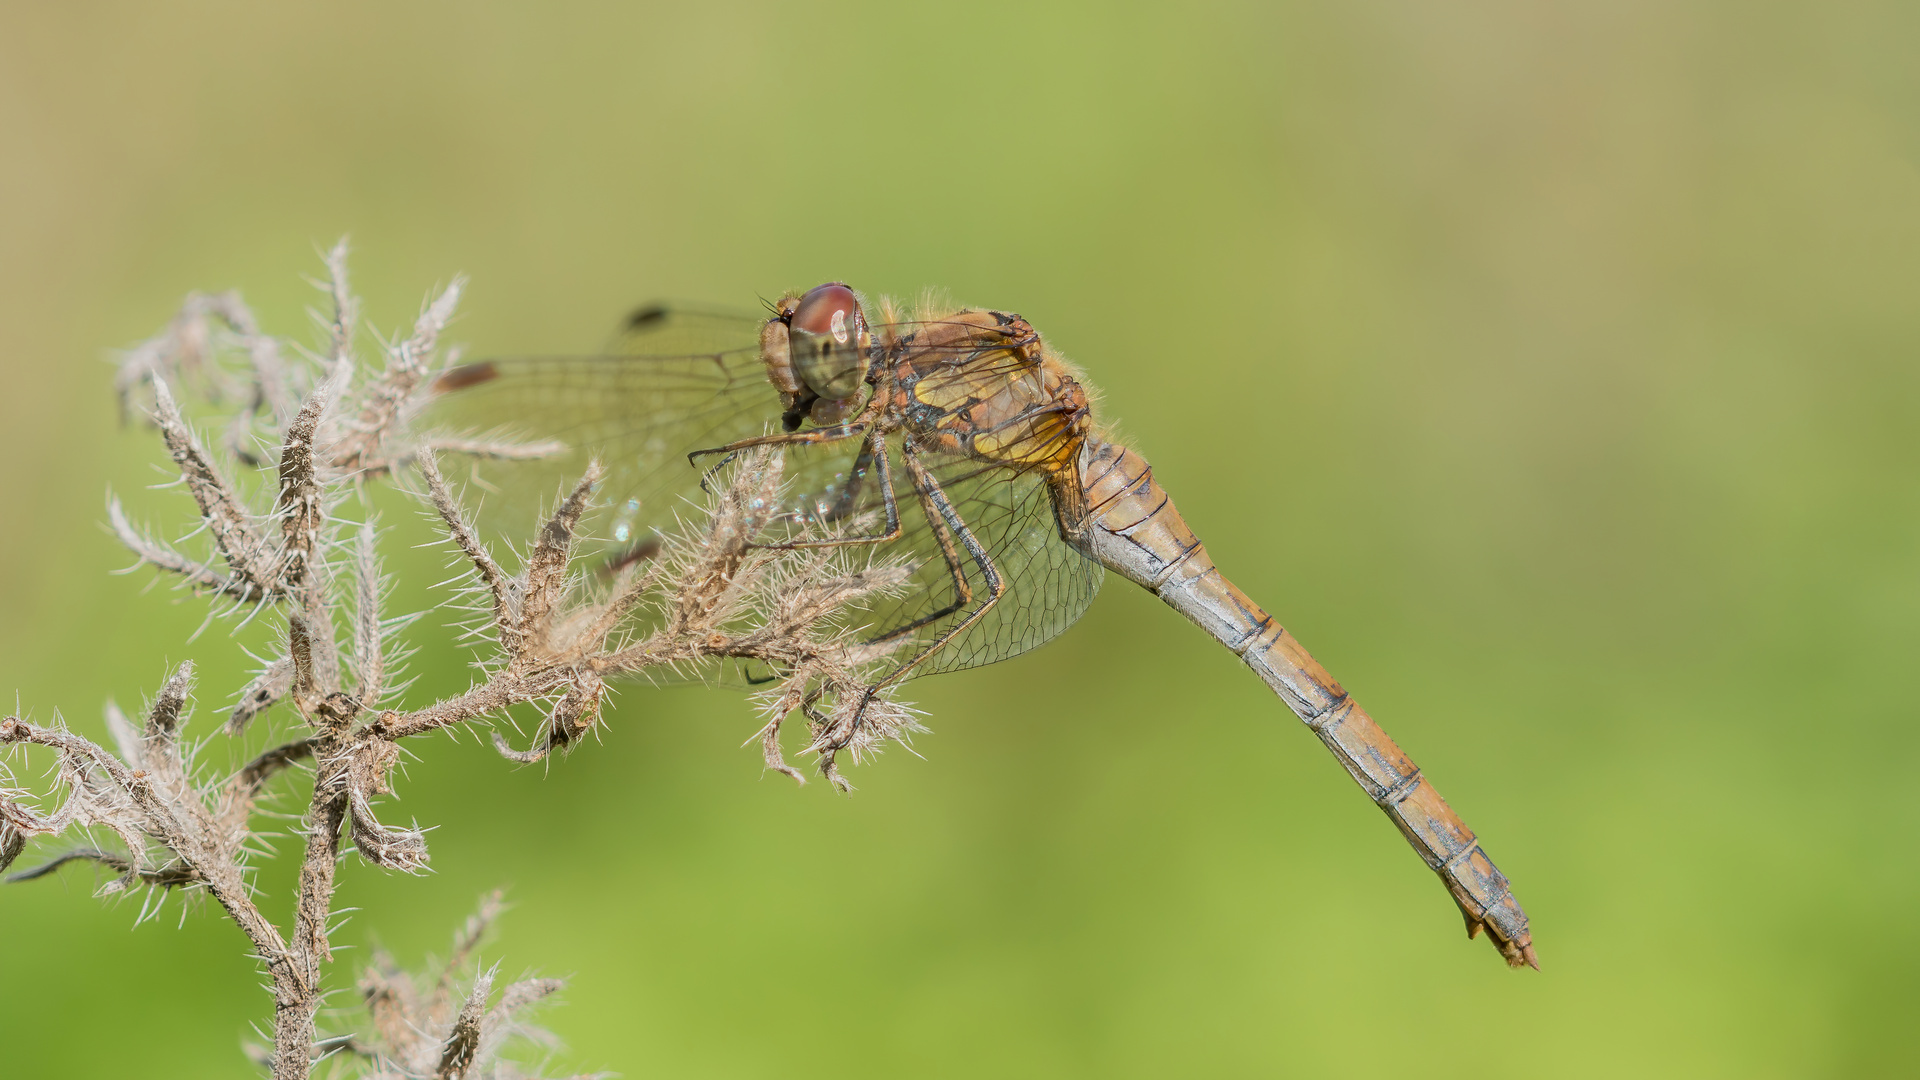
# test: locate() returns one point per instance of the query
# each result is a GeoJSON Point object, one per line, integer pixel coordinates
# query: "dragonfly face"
{"type": "Point", "coordinates": [818, 351]}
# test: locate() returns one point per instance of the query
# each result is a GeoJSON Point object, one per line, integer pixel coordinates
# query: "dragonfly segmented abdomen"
{"type": "Point", "coordinates": [1136, 531]}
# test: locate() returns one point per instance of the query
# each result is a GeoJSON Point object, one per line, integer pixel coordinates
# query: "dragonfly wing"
{"type": "Point", "coordinates": [676, 381]}
{"type": "Point", "coordinates": [684, 330]}
{"type": "Point", "coordinates": [683, 381]}
{"type": "Point", "coordinates": [1049, 582]}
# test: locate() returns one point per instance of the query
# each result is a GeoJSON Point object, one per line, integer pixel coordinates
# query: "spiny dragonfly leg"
{"type": "Point", "coordinates": [773, 674]}
{"type": "Point", "coordinates": [875, 445]}
{"type": "Point", "coordinates": [705, 477]}
{"type": "Point", "coordinates": [809, 708]}
{"type": "Point", "coordinates": [818, 437]}
{"type": "Point", "coordinates": [873, 453]}
{"type": "Point", "coordinates": [949, 552]}
{"type": "Point", "coordinates": [948, 526]}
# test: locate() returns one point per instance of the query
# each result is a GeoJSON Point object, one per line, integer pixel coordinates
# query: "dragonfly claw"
{"type": "Point", "coordinates": [693, 458]}
{"type": "Point", "coordinates": [834, 734]}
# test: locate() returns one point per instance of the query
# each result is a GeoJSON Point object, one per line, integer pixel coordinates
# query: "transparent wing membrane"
{"type": "Point", "coordinates": [1048, 583]}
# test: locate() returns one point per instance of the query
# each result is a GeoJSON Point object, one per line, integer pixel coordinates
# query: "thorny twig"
{"type": "Point", "coordinates": [426, 1026]}
{"type": "Point", "coordinates": [557, 636]}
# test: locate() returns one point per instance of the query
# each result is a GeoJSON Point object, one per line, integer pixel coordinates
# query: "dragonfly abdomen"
{"type": "Point", "coordinates": [1135, 531]}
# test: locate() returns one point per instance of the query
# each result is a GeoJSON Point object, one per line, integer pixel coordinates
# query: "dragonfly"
{"type": "Point", "coordinates": [960, 439]}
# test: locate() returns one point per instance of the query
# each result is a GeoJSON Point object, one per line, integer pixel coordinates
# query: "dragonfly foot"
{"type": "Point", "coordinates": [833, 734]}
{"type": "Point", "coordinates": [706, 478]}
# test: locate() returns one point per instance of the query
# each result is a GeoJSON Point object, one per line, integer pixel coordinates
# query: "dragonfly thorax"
{"type": "Point", "coordinates": [982, 384]}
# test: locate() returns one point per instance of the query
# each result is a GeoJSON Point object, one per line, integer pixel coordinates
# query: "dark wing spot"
{"type": "Point", "coordinates": [640, 552]}
{"type": "Point", "coordinates": [459, 378]}
{"type": "Point", "coordinates": [646, 316]}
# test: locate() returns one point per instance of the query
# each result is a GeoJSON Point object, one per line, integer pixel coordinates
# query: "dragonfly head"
{"type": "Point", "coordinates": [822, 369]}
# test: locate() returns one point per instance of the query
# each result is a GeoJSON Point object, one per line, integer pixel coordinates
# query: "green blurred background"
{"type": "Point", "coordinates": [1550, 369]}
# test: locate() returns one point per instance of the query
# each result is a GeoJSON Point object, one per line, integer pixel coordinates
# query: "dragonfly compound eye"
{"type": "Point", "coordinates": [829, 342]}
{"type": "Point", "coordinates": [830, 310]}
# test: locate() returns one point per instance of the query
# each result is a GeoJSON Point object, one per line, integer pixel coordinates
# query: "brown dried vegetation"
{"type": "Point", "coordinates": [553, 637]}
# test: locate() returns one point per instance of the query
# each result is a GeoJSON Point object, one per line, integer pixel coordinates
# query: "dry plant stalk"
{"type": "Point", "coordinates": [554, 638]}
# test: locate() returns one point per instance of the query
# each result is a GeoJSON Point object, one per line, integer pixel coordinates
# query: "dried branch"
{"type": "Point", "coordinates": [240, 794]}
{"type": "Point", "coordinates": [126, 737]}
{"type": "Point", "coordinates": [197, 575]}
{"type": "Point", "coordinates": [421, 1033]}
{"type": "Point", "coordinates": [465, 941]}
{"type": "Point", "coordinates": [298, 506]}
{"type": "Point", "coordinates": [188, 349]}
{"type": "Point", "coordinates": [164, 877]}
{"type": "Point", "coordinates": [545, 581]}
{"type": "Point", "coordinates": [369, 632]}
{"type": "Point", "coordinates": [346, 313]}
{"type": "Point", "coordinates": [363, 448]}
{"type": "Point", "coordinates": [165, 770]}
{"type": "Point", "coordinates": [468, 541]}
{"type": "Point", "coordinates": [462, 1044]}
{"type": "Point", "coordinates": [556, 636]}
{"type": "Point", "coordinates": [16, 821]}
{"type": "Point", "coordinates": [263, 693]}
{"type": "Point", "coordinates": [221, 507]}
{"type": "Point", "coordinates": [143, 806]}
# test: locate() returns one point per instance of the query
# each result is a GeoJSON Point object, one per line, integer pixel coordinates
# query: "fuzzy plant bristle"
{"type": "Point", "coordinates": [275, 499]}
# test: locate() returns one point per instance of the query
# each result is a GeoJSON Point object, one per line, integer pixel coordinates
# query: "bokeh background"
{"type": "Point", "coordinates": [1549, 369]}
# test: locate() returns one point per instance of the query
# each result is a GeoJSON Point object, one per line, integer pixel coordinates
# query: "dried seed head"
{"type": "Point", "coordinates": [558, 633]}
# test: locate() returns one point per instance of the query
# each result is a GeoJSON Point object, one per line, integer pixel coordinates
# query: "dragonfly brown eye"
{"type": "Point", "coordinates": [829, 309]}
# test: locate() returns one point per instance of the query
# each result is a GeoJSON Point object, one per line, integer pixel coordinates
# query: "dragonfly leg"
{"type": "Point", "coordinates": [705, 477]}
{"type": "Point", "coordinates": [948, 526]}
{"type": "Point", "coordinates": [816, 437]}
{"type": "Point", "coordinates": [728, 452]}
{"type": "Point", "coordinates": [949, 529]}
{"type": "Point", "coordinates": [873, 453]}
{"type": "Point", "coordinates": [874, 446]}
{"type": "Point", "coordinates": [810, 708]}
{"type": "Point", "coordinates": [949, 551]}
{"type": "Point", "coordinates": [773, 675]}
